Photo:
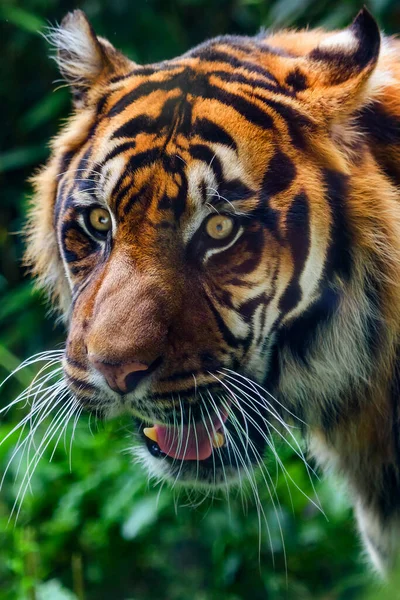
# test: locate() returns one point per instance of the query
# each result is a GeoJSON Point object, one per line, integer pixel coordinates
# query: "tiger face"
{"type": "Point", "coordinates": [189, 224]}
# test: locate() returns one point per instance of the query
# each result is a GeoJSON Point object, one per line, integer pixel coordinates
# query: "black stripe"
{"type": "Point", "coordinates": [297, 123]}
{"type": "Point", "coordinates": [65, 162]}
{"type": "Point", "coordinates": [213, 133]}
{"type": "Point", "coordinates": [177, 203]}
{"type": "Point", "coordinates": [204, 153]}
{"type": "Point", "coordinates": [297, 80]}
{"type": "Point", "coordinates": [254, 82]}
{"type": "Point", "coordinates": [226, 333]}
{"type": "Point", "coordinates": [298, 336]}
{"type": "Point", "coordinates": [248, 308]}
{"type": "Point", "coordinates": [389, 492]}
{"type": "Point", "coordinates": [339, 258]}
{"type": "Point", "coordinates": [144, 89]}
{"type": "Point", "coordinates": [188, 393]}
{"type": "Point", "coordinates": [212, 54]}
{"type": "Point", "coordinates": [64, 166]}
{"type": "Point", "coordinates": [78, 383]}
{"type": "Point", "coordinates": [134, 197]}
{"type": "Point", "coordinates": [147, 70]}
{"type": "Point", "coordinates": [120, 191]}
{"type": "Point", "coordinates": [125, 146]}
{"type": "Point", "coordinates": [249, 110]}
{"type": "Point", "coordinates": [199, 86]}
{"type": "Point", "coordinates": [383, 127]}
{"type": "Point", "coordinates": [143, 159]}
{"type": "Point", "coordinates": [75, 363]}
{"type": "Point", "coordinates": [279, 175]}
{"type": "Point", "coordinates": [180, 200]}
{"type": "Point", "coordinates": [79, 173]}
{"type": "Point", "coordinates": [139, 124]}
{"type": "Point", "coordinates": [233, 190]}
{"type": "Point", "coordinates": [252, 245]}
{"type": "Point", "coordinates": [210, 364]}
{"type": "Point", "coordinates": [298, 236]}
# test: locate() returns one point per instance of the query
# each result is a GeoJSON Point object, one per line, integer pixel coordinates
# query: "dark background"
{"type": "Point", "coordinates": [99, 530]}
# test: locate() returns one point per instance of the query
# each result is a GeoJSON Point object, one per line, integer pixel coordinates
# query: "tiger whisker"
{"type": "Point", "coordinates": [217, 412]}
{"type": "Point", "coordinates": [263, 403]}
{"type": "Point", "coordinates": [181, 441]}
{"type": "Point", "coordinates": [284, 470]}
{"type": "Point", "coordinates": [73, 406]}
{"type": "Point", "coordinates": [31, 467]}
{"type": "Point", "coordinates": [41, 356]}
{"type": "Point", "coordinates": [36, 417]}
{"type": "Point", "coordinates": [22, 422]}
{"type": "Point", "coordinates": [203, 418]}
{"type": "Point", "coordinates": [251, 480]}
{"type": "Point", "coordinates": [264, 473]}
{"type": "Point", "coordinates": [77, 416]}
{"type": "Point", "coordinates": [298, 451]}
{"type": "Point", "coordinates": [285, 408]}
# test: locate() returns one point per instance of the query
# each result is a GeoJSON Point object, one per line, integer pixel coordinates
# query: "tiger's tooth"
{"type": "Point", "coordinates": [218, 440]}
{"type": "Point", "coordinates": [151, 433]}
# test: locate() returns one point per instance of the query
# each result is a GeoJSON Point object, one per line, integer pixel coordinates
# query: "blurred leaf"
{"type": "Point", "coordinates": [53, 590]}
{"type": "Point", "coordinates": [22, 18]}
{"type": "Point", "coordinates": [45, 110]}
{"type": "Point", "coordinates": [16, 300]}
{"type": "Point", "coordinates": [10, 363]}
{"type": "Point", "coordinates": [21, 157]}
{"type": "Point", "coordinates": [143, 514]}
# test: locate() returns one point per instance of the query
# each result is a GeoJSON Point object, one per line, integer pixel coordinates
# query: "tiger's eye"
{"type": "Point", "coordinates": [219, 227]}
{"type": "Point", "coordinates": [100, 219]}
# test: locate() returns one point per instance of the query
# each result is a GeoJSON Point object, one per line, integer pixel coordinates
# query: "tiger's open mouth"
{"type": "Point", "coordinates": [212, 451]}
{"type": "Point", "coordinates": [187, 442]}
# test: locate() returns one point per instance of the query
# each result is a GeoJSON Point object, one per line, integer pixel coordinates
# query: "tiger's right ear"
{"type": "Point", "coordinates": [82, 57]}
{"type": "Point", "coordinates": [340, 70]}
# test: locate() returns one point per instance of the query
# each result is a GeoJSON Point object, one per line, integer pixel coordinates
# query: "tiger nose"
{"type": "Point", "coordinates": [122, 377]}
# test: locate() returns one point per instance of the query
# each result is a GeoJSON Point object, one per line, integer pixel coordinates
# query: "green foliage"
{"type": "Point", "coordinates": [99, 530]}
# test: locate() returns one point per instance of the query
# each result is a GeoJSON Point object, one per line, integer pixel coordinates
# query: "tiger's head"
{"type": "Point", "coordinates": [190, 225]}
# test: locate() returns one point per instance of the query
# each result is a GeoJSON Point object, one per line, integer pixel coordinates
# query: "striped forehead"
{"type": "Point", "coordinates": [184, 120]}
{"type": "Point", "coordinates": [205, 179]}
{"type": "Point", "coordinates": [173, 149]}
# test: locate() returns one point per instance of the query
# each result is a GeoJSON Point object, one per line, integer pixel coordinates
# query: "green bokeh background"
{"type": "Point", "coordinates": [99, 530]}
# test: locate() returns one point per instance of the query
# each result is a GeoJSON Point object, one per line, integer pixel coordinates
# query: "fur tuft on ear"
{"type": "Point", "coordinates": [351, 52]}
{"type": "Point", "coordinates": [340, 70]}
{"type": "Point", "coordinates": [82, 57]}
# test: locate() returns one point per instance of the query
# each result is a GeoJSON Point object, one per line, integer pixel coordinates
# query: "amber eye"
{"type": "Point", "coordinates": [219, 226]}
{"type": "Point", "coordinates": [100, 220]}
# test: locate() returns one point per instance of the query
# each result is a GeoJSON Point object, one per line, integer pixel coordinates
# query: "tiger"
{"type": "Point", "coordinates": [220, 233]}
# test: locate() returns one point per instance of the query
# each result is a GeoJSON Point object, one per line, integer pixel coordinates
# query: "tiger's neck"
{"type": "Point", "coordinates": [339, 369]}
{"type": "Point", "coordinates": [346, 388]}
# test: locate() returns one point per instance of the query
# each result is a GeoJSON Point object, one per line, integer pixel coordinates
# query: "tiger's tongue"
{"type": "Point", "coordinates": [188, 443]}
{"type": "Point", "coordinates": [184, 443]}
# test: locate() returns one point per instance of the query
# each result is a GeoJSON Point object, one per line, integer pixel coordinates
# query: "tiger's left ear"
{"type": "Point", "coordinates": [340, 70]}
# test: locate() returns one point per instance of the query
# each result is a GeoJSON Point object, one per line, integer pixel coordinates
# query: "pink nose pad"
{"type": "Point", "coordinates": [121, 378]}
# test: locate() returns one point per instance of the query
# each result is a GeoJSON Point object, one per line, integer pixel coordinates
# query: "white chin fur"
{"type": "Point", "coordinates": [160, 470]}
